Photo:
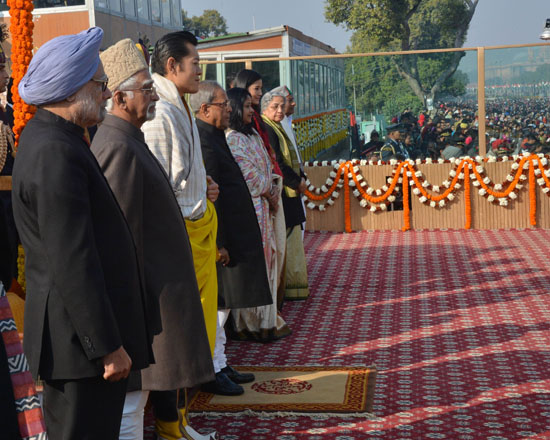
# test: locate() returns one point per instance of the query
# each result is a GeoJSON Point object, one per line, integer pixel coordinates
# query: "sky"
{"type": "Point", "coordinates": [496, 22]}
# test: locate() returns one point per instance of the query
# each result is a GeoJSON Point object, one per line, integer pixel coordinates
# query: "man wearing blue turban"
{"type": "Point", "coordinates": [86, 325]}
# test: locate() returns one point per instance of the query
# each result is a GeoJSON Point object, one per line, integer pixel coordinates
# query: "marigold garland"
{"type": "Point", "coordinates": [500, 194]}
{"type": "Point", "coordinates": [536, 166]}
{"type": "Point", "coordinates": [388, 192]}
{"type": "Point", "coordinates": [21, 29]}
{"type": "Point", "coordinates": [347, 211]}
{"type": "Point", "coordinates": [406, 210]}
{"type": "Point", "coordinates": [532, 195]}
{"type": "Point", "coordinates": [467, 199]}
{"type": "Point", "coordinates": [329, 192]}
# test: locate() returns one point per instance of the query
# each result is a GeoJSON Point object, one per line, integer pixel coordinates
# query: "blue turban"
{"type": "Point", "coordinates": [61, 67]}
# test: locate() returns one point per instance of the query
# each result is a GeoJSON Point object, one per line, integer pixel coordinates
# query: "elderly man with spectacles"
{"type": "Point", "coordinates": [86, 325]}
{"type": "Point", "coordinates": [139, 183]}
{"type": "Point", "coordinates": [242, 276]}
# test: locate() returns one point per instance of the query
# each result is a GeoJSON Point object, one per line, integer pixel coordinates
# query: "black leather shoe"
{"type": "Point", "coordinates": [237, 377]}
{"type": "Point", "coordinates": [223, 386]}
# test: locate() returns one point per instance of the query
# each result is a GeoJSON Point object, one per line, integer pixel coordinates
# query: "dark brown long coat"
{"type": "Point", "coordinates": [145, 195]}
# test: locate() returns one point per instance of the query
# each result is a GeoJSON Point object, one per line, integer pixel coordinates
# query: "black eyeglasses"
{"type": "Point", "coordinates": [220, 104]}
{"type": "Point", "coordinates": [104, 81]}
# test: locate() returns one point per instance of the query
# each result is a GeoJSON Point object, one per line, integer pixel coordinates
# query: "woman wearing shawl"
{"type": "Point", "coordinates": [273, 112]}
{"type": "Point", "coordinates": [263, 323]}
{"type": "Point", "coordinates": [251, 81]}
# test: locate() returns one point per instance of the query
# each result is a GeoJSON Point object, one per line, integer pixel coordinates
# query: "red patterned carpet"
{"type": "Point", "coordinates": [457, 322]}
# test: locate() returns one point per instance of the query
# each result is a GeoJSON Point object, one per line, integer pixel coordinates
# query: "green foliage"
{"type": "Point", "coordinates": [422, 24]}
{"type": "Point", "coordinates": [209, 24]}
{"type": "Point", "coordinates": [392, 25]}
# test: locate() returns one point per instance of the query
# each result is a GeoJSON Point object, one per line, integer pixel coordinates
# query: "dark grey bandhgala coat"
{"type": "Point", "coordinates": [146, 197]}
{"type": "Point", "coordinates": [244, 282]}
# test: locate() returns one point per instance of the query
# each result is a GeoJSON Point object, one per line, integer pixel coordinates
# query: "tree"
{"type": "Point", "coordinates": [209, 24]}
{"type": "Point", "coordinates": [409, 25]}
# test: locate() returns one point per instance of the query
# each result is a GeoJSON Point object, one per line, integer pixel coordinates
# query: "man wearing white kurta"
{"type": "Point", "coordinates": [173, 138]}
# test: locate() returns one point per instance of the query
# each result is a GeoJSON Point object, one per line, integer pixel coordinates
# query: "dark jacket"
{"type": "Point", "coordinates": [294, 211]}
{"type": "Point", "coordinates": [8, 246]}
{"type": "Point", "coordinates": [244, 282]}
{"type": "Point", "coordinates": [393, 149]}
{"type": "Point", "coordinates": [84, 293]}
{"type": "Point", "coordinates": [145, 195]}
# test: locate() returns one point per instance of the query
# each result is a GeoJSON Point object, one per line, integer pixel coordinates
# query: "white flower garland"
{"type": "Point", "coordinates": [424, 186]}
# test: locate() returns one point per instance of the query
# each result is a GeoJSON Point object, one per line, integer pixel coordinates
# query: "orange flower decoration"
{"type": "Point", "coordinates": [21, 28]}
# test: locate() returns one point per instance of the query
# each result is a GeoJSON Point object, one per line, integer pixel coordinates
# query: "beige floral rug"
{"type": "Point", "coordinates": [297, 390]}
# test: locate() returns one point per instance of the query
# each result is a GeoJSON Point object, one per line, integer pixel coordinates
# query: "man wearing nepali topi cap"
{"type": "Point", "coordinates": [143, 190]}
{"type": "Point", "coordinates": [86, 325]}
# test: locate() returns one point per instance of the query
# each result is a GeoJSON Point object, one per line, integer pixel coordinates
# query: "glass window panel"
{"type": "Point", "coordinates": [325, 87]}
{"type": "Point", "coordinates": [269, 70]}
{"type": "Point", "coordinates": [57, 3]}
{"type": "Point", "coordinates": [313, 80]}
{"type": "Point", "coordinates": [155, 11]}
{"type": "Point", "coordinates": [333, 87]}
{"type": "Point", "coordinates": [129, 8]}
{"type": "Point", "coordinates": [342, 91]}
{"type": "Point", "coordinates": [306, 87]}
{"type": "Point", "coordinates": [102, 4]}
{"type": "Point", "coordinates": [321, 88]}
{"type": "Point", "coordinates": [317, 76]}
{"type": "Point", "coordinates": [176, 12]}
{"type": "Point", "coordinates": [309, 86]}
{"type": "Point", "coordinates": [334, 94]}
{"type": "Point", "coordinates": [165, 6]}
{"type": "Point", "coordinates": [143, 9]}
{"type": "Point", "coordinates": [115, 5]}
{"type": "Point", "coordinates": [301, 89]}
{"type": "Point", "coordinates": [210, 72]}
{"type": "Point", "coordinates": [231, 70]}
{"type": "Point", "coordinates": [293, 77]}
{"type": "Point", "coordinates": [313, 91]}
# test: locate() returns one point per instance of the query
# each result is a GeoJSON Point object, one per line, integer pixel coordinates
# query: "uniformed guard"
{"type": "Point", "coordinates": [393, 148]}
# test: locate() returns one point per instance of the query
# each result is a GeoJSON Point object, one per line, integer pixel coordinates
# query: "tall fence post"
{"type": "Point", "coordinates": [481, 101]}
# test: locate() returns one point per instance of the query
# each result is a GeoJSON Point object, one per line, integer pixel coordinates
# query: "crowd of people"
{"type": "Point", "coordinates": [156, 212]}
{"type": "Point", "coordinates": [513, 126]}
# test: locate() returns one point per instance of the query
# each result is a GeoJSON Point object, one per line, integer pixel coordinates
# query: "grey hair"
{"type": "Point", "coordinates": [268, 97]}
{"type": "Point", "coordinates": [205, 95]}
{"type": "Point", "coordinates": [283, 90]}
{"type": "Point", "coordinates": [85, 105]}
{"type": "Point", "coordinates": [130, 83]}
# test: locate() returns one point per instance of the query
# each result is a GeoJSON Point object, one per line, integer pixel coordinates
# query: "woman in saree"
{"type": "Point", "coordinates": [294, 185]}
{"type": "Point", "coordinates": [263, 323]}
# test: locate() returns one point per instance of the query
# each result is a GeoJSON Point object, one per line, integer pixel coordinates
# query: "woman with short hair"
{"type": "Point", "coordinates": [294, 185]}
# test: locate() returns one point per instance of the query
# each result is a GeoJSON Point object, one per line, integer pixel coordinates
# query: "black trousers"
{"type": "Point", "coordinates": [83, 409]}
{"type": "Point", "coordinates": [165, 405]}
